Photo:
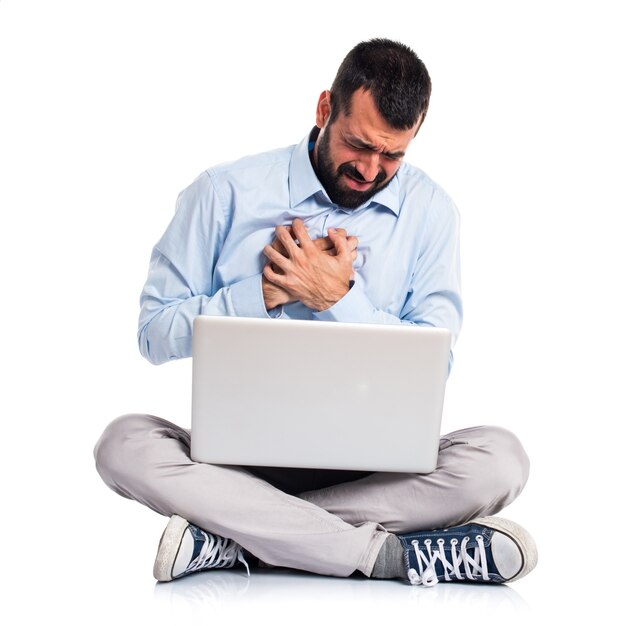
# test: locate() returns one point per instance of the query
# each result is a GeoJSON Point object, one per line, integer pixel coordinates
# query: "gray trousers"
{"type": "Point", "coordinates": [321, 521]}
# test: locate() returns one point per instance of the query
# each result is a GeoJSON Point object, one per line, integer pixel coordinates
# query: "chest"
{"type": "Point", "coordinates": [386, 253]}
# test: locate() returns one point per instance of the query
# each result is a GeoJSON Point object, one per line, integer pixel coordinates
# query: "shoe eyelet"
{"type": "Point", "coordinates": [427, 542]}
{"type": "Point", "coordinates": [454, 542]}
{"type": "Point", "coordinates": [415, 542]}
{"type": "Point", "coordinates": [440, 542]}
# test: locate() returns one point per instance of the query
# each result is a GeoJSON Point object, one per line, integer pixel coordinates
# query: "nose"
{"type": "Point", "coordinates": [368, 165]}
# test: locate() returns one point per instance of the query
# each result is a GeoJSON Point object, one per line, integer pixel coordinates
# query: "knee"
{"type": "Point", "coordinates": [505, 465]}
{"type": "Point", "coordinates": [113, 451]}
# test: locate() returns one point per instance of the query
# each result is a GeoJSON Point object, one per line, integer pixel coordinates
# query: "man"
{"type": "Point", "coordinates": [336, 228]}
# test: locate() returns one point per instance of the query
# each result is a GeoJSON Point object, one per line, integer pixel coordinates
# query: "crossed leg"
{"type": "Point", "coordinates": [332, 530]}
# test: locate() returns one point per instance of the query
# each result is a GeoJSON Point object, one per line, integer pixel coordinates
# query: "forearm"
{"type": "Point", "coordinates": [440, 310]}
{"type": "Point", "coordinates": [165, 325]}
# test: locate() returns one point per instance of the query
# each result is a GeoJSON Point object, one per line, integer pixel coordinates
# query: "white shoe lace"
{"type": "Point", "coordinates": [461, 567]}
{"type": "Point", "coordinates": [217, 552]}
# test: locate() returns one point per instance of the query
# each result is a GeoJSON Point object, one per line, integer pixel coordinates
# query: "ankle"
{"type": "Point", "coordinates": [390, 560]}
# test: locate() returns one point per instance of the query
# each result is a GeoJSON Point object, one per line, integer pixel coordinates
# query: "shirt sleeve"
{"type": "Point", "coordinates": [434, 297]}
{"type": "Point", "coordinates": [180, 283]}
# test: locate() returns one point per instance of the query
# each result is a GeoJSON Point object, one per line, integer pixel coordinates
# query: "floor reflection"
{"type": "Point", "coordinates": [223, 589]}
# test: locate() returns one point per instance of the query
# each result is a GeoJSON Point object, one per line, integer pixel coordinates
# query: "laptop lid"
{"type": "Point", "coordinates": [311, 394]}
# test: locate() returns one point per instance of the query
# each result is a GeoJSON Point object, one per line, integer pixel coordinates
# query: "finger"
{"type": "Point", "coordinates": [279, 247]}
{"type": "Point", "coordinates": [353, 242]}
{"type": "Point", "coordinates": [340, 243]}
{"type": "Point", "coordinates": [323, 243]}
{"type": "Point", "coordinates": [276, 258]}
{"type": "Point", "coordinates": [272, 276]}
{"type": "Point", "coordinates": [301, 233]}
{"type": "Point", "coordinates": [285, 236]}
{"type": "Point", "coordinates": [341, 232]}
{"type": "Point", "coordinates": [337, 234]}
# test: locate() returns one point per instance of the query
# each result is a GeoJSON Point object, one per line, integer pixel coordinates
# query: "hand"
{"type": "Point", "coordinates": [316, 272]}
{"type": "Point", "coordinates": [324, 244]}
{"type": "Point", "coordinates": [273, 295]}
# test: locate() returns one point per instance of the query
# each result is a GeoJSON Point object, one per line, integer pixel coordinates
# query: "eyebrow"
{"type": "Point", "coordinates": [359, 143]}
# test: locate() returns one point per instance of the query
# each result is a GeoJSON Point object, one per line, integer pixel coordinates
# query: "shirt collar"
{"type": "Point", "coordinates": [303, 183]}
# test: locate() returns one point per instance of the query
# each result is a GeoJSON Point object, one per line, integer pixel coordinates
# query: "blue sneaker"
{"type": "Point", "coordinates": [486, 550]}
{"type": "Point", "coordinates": [185, 548]}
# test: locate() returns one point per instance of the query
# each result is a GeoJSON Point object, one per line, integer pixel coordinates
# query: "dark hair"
{"type": "Point", "coordinates": [392, 73]}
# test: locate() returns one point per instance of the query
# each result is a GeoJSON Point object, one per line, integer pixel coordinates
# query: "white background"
{"type": "Point", "coordinates": [108, 109]}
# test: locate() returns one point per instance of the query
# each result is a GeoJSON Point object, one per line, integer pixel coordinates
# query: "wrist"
{"type": "Point", "coordinates": [273, 296]}
{"type": "Point", "coordinates": [326, 301]}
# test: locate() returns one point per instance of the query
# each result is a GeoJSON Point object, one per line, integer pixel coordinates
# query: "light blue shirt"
{"type": "Point", "coordinates": [210, 259]}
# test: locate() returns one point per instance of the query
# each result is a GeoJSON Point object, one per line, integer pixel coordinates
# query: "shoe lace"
{"type": "Point", "coordinates": [461, 565]}
{"type": "Point", "coordinates": [217, 552]}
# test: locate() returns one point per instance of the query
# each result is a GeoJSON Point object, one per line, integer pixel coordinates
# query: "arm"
{"type": "Point", "coordinates": [180, 279]}
{"type": "Point", "coordinates": [180, 283]}
{"type": "Point", "coordinates": [434, 294]}
{"type": "Point", "coordinates": [166, 321]}
{"type": "Point", "coordinates": [434, 297]}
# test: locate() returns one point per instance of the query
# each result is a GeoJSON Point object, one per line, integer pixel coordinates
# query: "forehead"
{"type": "Point", "coordinates": [366, 123]}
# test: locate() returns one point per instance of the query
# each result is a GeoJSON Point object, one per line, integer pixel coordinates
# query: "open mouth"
{"type": "Point", "coordinates": [356, 183]}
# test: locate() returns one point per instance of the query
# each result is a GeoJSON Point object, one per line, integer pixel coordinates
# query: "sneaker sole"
{"type": "Point", "coordinates": [520, 536]}
{"type": "Point", "coordinates": [168, 548]}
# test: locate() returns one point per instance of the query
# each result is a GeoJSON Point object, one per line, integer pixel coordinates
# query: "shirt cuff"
{"type": "Point", "coordinates": [247, 298]}
{"type": "Point", "coordinates": [355, 306]}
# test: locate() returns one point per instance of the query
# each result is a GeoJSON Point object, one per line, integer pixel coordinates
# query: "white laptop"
{"type": "Point", "coordinates": [311, 394]}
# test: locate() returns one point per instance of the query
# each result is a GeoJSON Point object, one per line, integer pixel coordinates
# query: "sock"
{"type": "Point", "coordinates": [390, 560]}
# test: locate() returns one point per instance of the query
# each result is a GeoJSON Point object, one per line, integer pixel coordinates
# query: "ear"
{"type": "Point", "coordinates": [322, 112]}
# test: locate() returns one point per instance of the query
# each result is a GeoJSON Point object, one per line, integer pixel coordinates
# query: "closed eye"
{"type": "Point", "coordinates": [392, 156]}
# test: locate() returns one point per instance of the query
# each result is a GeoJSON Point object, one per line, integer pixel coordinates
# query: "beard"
{"type": "Point", "coordinates": [332, 179]}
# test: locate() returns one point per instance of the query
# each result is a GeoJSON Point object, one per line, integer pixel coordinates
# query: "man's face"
{"type": "Point", "coordinates": [358, 154]}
